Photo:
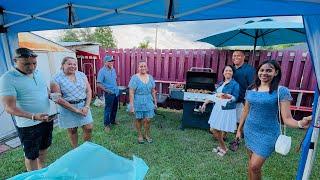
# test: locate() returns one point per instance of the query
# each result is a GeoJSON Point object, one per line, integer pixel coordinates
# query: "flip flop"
{"type": "Point", "coordinates": [216, 150]}
{"type": "Point", "coordinates": [234, 145]}
{"type": "Point", "coordinates": [222, 152]}
{"type": "Point", "coordinates": [140, 141]}
{"type": "Point", "coordinates": [149, 140]}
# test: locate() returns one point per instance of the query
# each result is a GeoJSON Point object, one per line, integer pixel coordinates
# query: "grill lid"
{"type": "Point", "coordinates": [201, 79]}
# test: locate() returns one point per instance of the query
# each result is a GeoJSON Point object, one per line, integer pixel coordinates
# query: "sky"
{"type": "Point", "coordinates": [173, 35]}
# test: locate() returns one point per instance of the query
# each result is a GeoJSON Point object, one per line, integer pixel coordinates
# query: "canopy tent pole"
{"type": "Point", "coordinates": [312, 27]}
{"type": "Point", "coordinates": [8, 43]}
{"type": "Point", "coordinates": [6, 53]}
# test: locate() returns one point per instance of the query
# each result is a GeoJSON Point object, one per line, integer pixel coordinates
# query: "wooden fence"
{"type": "Point", "coordinates": [168, 66]}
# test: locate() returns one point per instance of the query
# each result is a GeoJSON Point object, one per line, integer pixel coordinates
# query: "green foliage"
{"type": "Point", "coordinates": [174, 154]}
{"type": "Point", "coordinates": [102, 35]}
{"type": "Point", "coordinates": [278, 47]}
{"type": "Point", "coordinates": [144, 44]}
{"type": "Point", "coordinates": [69, 36]}
{"type": "Point", "coordinates": [87, 35]}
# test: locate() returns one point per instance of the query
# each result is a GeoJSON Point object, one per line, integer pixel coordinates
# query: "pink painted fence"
{"type": "Point", "coordinates": [171, 65]}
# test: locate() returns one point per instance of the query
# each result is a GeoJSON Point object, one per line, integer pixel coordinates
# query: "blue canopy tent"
{"type": "Point", "coordinates": [31, 15]}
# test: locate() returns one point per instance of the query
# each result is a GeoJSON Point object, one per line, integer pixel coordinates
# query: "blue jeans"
{"type": "Point", "coordinates": [110, 108]}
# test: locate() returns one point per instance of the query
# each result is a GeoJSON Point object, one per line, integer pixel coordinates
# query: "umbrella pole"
{"type": "Point", "coordinates": [254, 50]}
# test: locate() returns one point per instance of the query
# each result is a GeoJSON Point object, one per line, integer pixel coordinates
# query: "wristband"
{"type": "Point", "coordinates": [32, 117]}
{"type": "Point", "coordinates": [299, 124]}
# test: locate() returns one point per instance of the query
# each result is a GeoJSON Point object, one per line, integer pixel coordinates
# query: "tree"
{"type": "Point", "coordinates": [69, 35]}
{"type": "Point", "coordinates": [278, 47]}
{"type": "Point", "coordinates": [144, 44]}
{"type": "Point", "coordinates": [102, 35]}
{"type": "Point", "coordinates": [87, 35]}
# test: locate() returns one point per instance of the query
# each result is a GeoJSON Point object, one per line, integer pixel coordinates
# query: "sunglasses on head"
{"type": "Point", "coordinates": [27, 55]}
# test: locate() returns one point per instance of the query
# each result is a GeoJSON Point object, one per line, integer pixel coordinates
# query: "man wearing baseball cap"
{"type": "Point", "coordinates": [107, 81]}
{"type": "Point", "coordinates": [24, 94]}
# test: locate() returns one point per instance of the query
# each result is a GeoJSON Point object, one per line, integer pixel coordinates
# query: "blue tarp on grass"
{"type": "Point", "coordinates": [90, 161]}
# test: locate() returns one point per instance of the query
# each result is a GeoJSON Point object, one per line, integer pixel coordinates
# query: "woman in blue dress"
{"type": "Point", "coordinates": [259, 120]}
{"type": "Point", "coordinates": [75, 101]}
{"type": "Point", "coordinates": [143, 100]}
{"type": "Point", "coordinates": [223, 116]}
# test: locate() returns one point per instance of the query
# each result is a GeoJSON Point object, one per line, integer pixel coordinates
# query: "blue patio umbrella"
{"type": "Point", "coordinates": [265, 32]}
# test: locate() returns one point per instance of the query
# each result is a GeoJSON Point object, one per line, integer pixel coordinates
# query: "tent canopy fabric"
{"type": "Point", "coordinates": [33, 15]}
{"type": "Point", "coordinates": [260, 33]}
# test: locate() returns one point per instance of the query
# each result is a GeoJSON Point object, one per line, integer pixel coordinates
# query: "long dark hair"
{"type": "Point", "coordinates": [275, 81]}
{"type": "Point", "coordinates": [225, 68]}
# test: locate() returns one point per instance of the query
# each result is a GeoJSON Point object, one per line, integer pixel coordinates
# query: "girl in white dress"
{"type": "Point", "coordinates": [223, 115]}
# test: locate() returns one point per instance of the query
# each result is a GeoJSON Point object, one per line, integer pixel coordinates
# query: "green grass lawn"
{"type": "Point", "coordinates": [175, 154]}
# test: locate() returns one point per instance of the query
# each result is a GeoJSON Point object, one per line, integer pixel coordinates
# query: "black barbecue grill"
{"type": "Point", "coordinates": [200, 82]}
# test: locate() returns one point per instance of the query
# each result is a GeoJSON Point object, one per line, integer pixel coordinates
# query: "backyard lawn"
{"type": "Point", "coordinates": [174, 154]}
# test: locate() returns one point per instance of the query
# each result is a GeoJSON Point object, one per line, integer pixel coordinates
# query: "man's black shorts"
{"type": "Point", "coordinates": [35, 138]}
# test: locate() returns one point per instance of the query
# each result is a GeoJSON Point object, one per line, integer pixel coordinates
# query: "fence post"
{"type": "Point", "coordinates": [181, 65]}
{"type": "Point", "coordinates": [293, 82]}
{"type": "Point", "coordinates": [158, 64]}
{"type": "Point", "coordinates": [222, 64]}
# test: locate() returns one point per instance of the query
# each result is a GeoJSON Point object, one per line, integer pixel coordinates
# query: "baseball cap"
{"type": "Point", "coordinates": [24, 53]}
{"type": "Point", "coordinates": [108, 58]}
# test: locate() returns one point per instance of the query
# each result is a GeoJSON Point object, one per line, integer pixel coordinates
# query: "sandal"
{"type": "Point", "coordinates": [216, 150]}
{"type": "Point", "coordinates": [140, 141]}
{"type": "Point", "coordinates": [222, 152]}
{"type": "Point", "coordinates": [234, 145]}
{"type": "Point", "coordinates": [149, 140]}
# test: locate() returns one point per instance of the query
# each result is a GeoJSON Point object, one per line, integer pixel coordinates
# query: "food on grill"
{"type": "Point", "coordinates": [202, 91]}
{"type": "Point", "coordinates": [177, 86]}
